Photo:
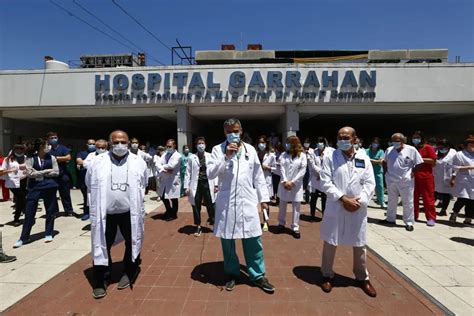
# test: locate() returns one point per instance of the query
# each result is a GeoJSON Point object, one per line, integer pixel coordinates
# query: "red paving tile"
{"type": "Point", "coordinates": [183, 275]}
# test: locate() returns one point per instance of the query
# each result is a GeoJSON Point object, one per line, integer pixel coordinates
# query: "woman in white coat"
{"type": "Point", "coordinates": [198, 186]}
{"type": "Point", "coordinates": [168, 169]}
{"type": "Point", "coordinates": [293, 168]}
{"type": "Point", "coordinates": [463, 181]}
{"type": "Point", "coordinates": [268, 162]}
{"type": "Point", "coordinates": [442, 171]}
{"type": "Point", "coordinates": [348, 180]}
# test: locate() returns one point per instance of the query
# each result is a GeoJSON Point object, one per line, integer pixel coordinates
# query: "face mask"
{"type": "Point", "coordinates": [443, 150]}
{"type": "Point", "coordinates": [233, 138]}
{"type": "Point", "coordinates": [100, 150]}
{"type": "Point", "coordinates": [389, 144]}
{"type": "Point", "coordinates": [262, 146]}
{"type": "Point", "coordinates": [287, 146]}
{"type": "Point", "coordinates": [186, 151]}
{"type": "Point", "coordinates": [356, 146]}
{"type": "Point", "coordinates": [416, 141]}
{"type": "Point", "coordinates": [344, 144]}
{"type": "Point", "coordinates": [120, 149]}
{"type": "Point", "coordinates": [306, 145]}
{"type": "Point", "coordinates": [169, 150]}
{"type": "Point", "coordinates": [134, 146]}
{"type": "Point", "coordinates": [397, 145]}
{"type": "Point", "coordinates": [201, 147]}
{"type": "Point", "coordinates": [320, 146]}
{"type": "Point", "coordinates": [53, 141]}
{"type": "Point", "coordinates": [47, 148]}
{"type": "Point", "coordinates": [375, 145]}
{"type": "Point", "coordinates": [19, 155]}
{"type": "Point", "coordinates": [90, 147]}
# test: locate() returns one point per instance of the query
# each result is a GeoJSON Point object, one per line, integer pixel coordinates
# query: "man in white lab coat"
{"type": "Point", "coordinates": [401, 161]}
{"type": "Point", "coordinates": [242, 187]}
{"type": "Point", "coordinates": [198, 186]}
{"type": "Point", "coordinates": [348, 180]}
{"type": "Point", "coordinates": [116, 182]}
{"type": "Point", "coordinates": [168, 168]}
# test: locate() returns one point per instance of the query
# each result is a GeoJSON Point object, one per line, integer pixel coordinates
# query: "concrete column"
{"type": "Point", "coordinates": [6, 127]}
{"type": "Point", "coordinates": [183, 127]}
{"type": "Point", "coordinates": [290, 122]}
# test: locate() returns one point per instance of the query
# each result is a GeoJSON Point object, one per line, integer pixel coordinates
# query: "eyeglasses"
{"type": "Point", "coordinates": [118, 186]}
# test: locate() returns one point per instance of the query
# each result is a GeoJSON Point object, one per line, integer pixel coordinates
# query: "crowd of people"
{"type": "Point", "coordinates": [238, 181]}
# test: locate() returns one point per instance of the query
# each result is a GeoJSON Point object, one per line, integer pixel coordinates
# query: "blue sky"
{"type": "Point", "coordinates": [31, 29]}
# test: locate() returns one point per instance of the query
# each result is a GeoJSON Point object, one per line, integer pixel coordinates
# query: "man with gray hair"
{"type": "Point", "coordinates": [401, 160]}
{"type": "Point", "coordinates": [242, 187]}
{"type": "Point", "coordinates": [116, 184]}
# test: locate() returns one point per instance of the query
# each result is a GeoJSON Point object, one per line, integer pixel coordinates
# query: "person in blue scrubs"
{"type": "Point", "coordinates": [376, 155]}
{"type": "Point", "coordinates": [81, 172]}
{"type": "Point", "coordinates": [41, 169]}
{"type": "Point", "coordinates": [63, 156]}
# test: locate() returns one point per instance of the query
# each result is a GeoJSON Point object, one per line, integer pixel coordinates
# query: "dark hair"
{"type": "Point", "coordinates": [422, 136]}
{"type": "Point", "coordinates": [184, 146]}
{"type": "Point", "coordinates": [376, 139]}
{"type": "Point", "coordinates": [267, 142]}
{"type": "Point", "coordinates": [171, 140]}
{"type": "Point", "coordinates": [322, 139]}
{"type": "Point", "coordinates": [18, 145]}
{"type": "Point", "coordinates": [444, 142]}
{"type": "Point", "coordinates": [199, 138]}
{"type": "Point", "coordinates": [49, 134]}
{"type": "Point", "coordinates": [36, 146]}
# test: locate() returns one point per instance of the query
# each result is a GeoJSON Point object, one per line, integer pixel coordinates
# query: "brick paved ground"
{"type": "Point", "coordinates": [182, 275]}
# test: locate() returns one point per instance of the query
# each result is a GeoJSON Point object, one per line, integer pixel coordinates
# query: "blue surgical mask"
{"type": "Point", "coordinates": [53, 141]}
{"type": "Point", "coordinates": [356, 146]}
{"type": "Point", "coordinates": [344, 144]}
{"type": "Point", "coordinates": [416, 141]}
{"type": "Point", "coordinates": [201, 147]}
{"type": "Point", "coordinates": [320, 146]}
{"type": "Point", "coordinates": [169, 150]}
{"type": "Point", "coordinates": [397, 145]}
{"type": "Point", "coordinates": [233, 138]}
{"type": "Point", "coordinates": [262, 146]}
{"type": "Point", "coordinates": [375, 145]}
{"type": "Point", "coordinates": [91, 147]}
{"type": "Point", "coordinates": [443, 150]}
{"type": "Point", "coordinates": [287, 146]}
{"type": "Point", "coordinates": [120, 150]}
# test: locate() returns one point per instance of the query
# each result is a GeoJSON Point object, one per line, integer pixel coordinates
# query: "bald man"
{"type": "Point", "coordinates": [116, 183]}
{"type": "Point", "coordinates": [401, 160]}
{"type": "Point", "coordinates": [348, 180]}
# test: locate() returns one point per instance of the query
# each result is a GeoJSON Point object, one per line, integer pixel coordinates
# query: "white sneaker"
{"type": "Point", "coordinates": [265, 227]}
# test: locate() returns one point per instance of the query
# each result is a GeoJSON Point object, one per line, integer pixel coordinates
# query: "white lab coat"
{"type": "Point", "coordinates": [97, 181]}
{"type": "Point", "coordinates": [442, 171]}
{"type": "Point", "coordinates": [241, 187]}
{"type": "Point", "coordinates": [170, 182]}
{"type": "Point", "coordinates": [340, 227]}
{"type": "Point", "coordinates": [315, 162]}
{"type": "Point", "coordinates": [192, 177]}
{"type": "Point", "coordinates": [269, 160]}
{"type": "Point", "coordinates": [90, 159]}
{"type": "Point", "coordinates": [464, 183]}
{"type": "Point", "coordinates": [292, 170]}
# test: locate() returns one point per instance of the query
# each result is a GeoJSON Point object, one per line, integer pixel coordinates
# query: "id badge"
{"type": "Point", "coordinates": [360, 163]}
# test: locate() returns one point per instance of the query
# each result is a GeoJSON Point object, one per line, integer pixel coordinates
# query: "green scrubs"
{"type": "Point", "coordinates": [378, 173]}
{"type": "Point", "coordinates": [253, 252]}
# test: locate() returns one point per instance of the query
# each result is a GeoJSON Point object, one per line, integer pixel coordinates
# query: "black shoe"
{"type": "Point", "coordinates": [280, 229]}
{"type": "Point", "coordinates": [297, 234]}
{"type": "Point", "coordinates": [198, 231]}
{"type": "Point", "coordinates": [385, 222]}
{"type": "Point", "coordinates": [230, 285]}
{"type": "Point", "coordinates": [124, 282]}
{"type": "Point", "coordinates": [6, 259]}
{"type": "Point", "coordinates": [443, 213]}
{"type": "Point", "coordinates": [409, 228]}
{"type": "Point", "coordinates": [16, 222]}
{"type": "Point", "coordinates": [264, 285]}
{"type": "Point", "coordinates": [171, 218]}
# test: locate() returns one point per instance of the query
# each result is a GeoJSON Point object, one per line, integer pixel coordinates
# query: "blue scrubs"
{"type": "Point", "coordinates": [63, 179]}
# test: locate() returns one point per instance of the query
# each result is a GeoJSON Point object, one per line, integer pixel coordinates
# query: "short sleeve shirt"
{"type": "Point", "coordinates": [60, 151]}
{"type": "Point", "coordinates": [426, 169]}
{"type": "Point", "coordinates": [377, 155]}
{"type": "Point", "coordinates": [400, 164]}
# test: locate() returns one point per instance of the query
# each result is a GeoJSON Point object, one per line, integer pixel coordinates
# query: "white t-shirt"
{"type": "Point", "coordinates": [400, 164]}
{"type": "Point", "coordinates": [12, 179]}
{"type": "Point", "coordinates": [118, 199]}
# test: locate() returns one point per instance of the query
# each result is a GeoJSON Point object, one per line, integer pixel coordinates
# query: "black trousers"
{"type": "Point", "coordinates": [203, 191]}
{"type": "Point", "coordinates": [19, 198]}
{"type": "Point", "coordinates": [114, 221]}
{"type": "Point", "coordinates": [171, 208]}
{"type": "Point", "coordinates": [314, 199]}
{"type": "Point", "coordinates": [445, 199]}
{"type": "Point", "coordinates": [467, 203]}
{"type": "Point", "coordinates": [276, 181]}
{"type": "Point", "coordinates": [65, 192]}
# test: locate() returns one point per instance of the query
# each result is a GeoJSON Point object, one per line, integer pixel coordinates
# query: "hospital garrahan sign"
{"type": "Point", "coordinates": [237, 86]}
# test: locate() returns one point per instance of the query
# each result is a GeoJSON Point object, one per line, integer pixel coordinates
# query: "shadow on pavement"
{"type": "Point", "coordinates": [190, 230]}
{"type": "Point", "coordinates": [37, 236]}
{"type": "Point", "coordinates": [463, 240]}
{"type": "Point", "coordinates": [213, 273]}
{"type": "Point", "coordinates": [312, 275]}
{"type": "Point", "coordinates": [310, 219]}
{"type": "Point", "coordinates": [376, 221]}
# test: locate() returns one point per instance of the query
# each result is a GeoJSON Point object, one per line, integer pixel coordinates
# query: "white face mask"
{"type": "Point", "coordinates": [120, 150]}
{"type": "Point", "coordinates": [100, 150]}
{"type": "Point", "coordinates": [262, 146]}
{"type": "Point", "coordinates": [170, 150]}
{"type": "Point", "coordinates": [134, 146]}
{"type": "Point", "coordinates": [320, 146]}
{"type": "Point", "coordinates": [306, 145]}
{"type": "Point", "coordinates": [201, 147]}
